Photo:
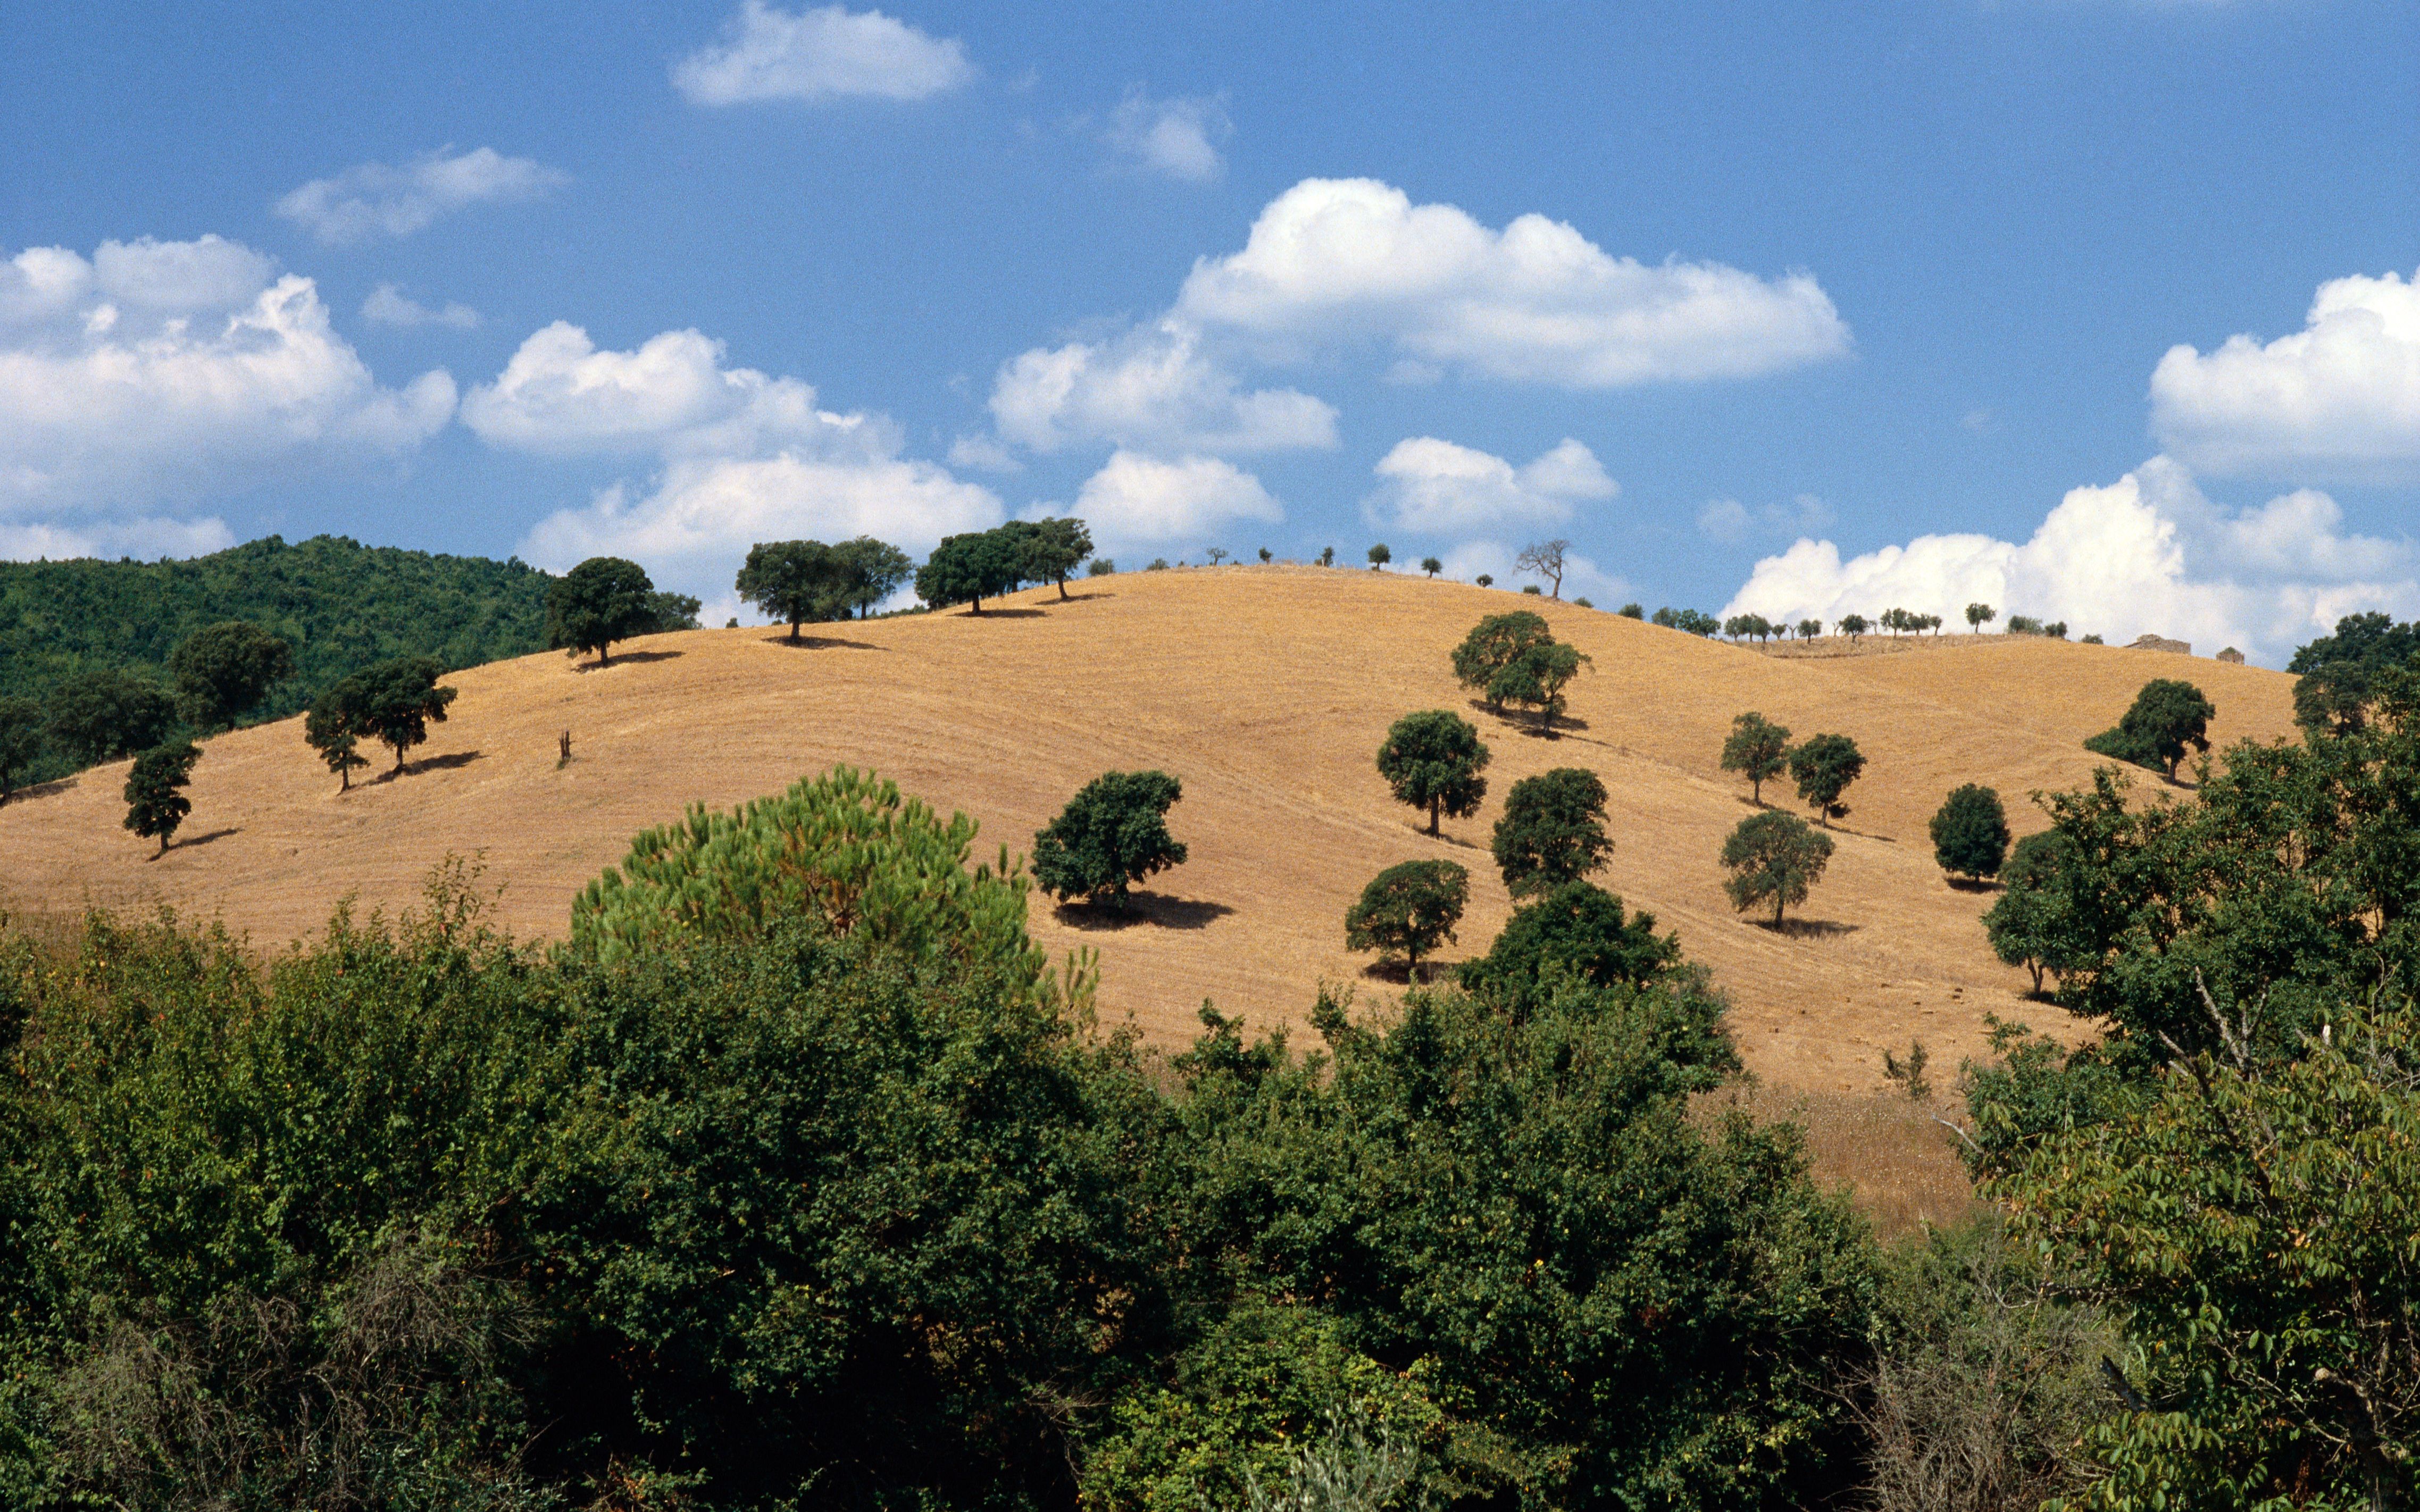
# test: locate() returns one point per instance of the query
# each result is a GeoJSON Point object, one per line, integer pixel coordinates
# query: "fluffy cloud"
{"type": "Point", "coordinates": [1536, 301]}
{"type": "Point", "coordinates": [1176, 138]}
{"type": "Point", "coordinates": [2341, 396]}
{"type": "Point", "coordinates": [740, 457]}
{"type": "Point", "coordinates": [1437, 488]}
{"type": "Point", "coordinates": [390, 306]}
{"type": "Point", "coordinates": [156, 368]}
{"type": "Point", "coordinates": [375, 200]}
{"type": "Point", "coordinates": [2148, 552]}
{"type": "Point", "coordinates": [144, 539]}
{"type": "Point", "coordinates": [1137, 497]}
{"type": "Point", "coordinates": [1152, 389]}
{"type": "Point", "coordinates": [828, 53]}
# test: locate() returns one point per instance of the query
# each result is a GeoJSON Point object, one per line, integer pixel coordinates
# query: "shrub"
{"type": "Point", "coordinates": [1776, 858]}
{"type": "Point", "coordinates": [1112, 834]}
{"type": "Point", "coordinates": [1431, 760]}
{"type": "Point", "coordinates": [1823, 767]}
{"type": "Point", "coordinates": [1970, 833]}
{"type": "Point", "coordinates": [1484, 581]}
{"type": "Point", "coordinates": [1633, 610]}
{"type": "Point", "coordinates": [602, 600]}
{"type": "Point", "coordinates": [1265, 553]}
{"type": "Point", "coordinates": [1328, 556]}
{"type": "Point", "coordinates": [1409, 909]}
{"type": "Point", "coordinates": [1552, 831]}
{"type": "Point", "coordinates": [1757, 750]}
{"type": "Point", "coordinates": [1157, 565]}
{"type": "Point", "coordinates": [1379, 556]}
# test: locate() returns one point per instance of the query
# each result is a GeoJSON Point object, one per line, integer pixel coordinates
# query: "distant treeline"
{"type": "Point", "coordinates": [338, 605]}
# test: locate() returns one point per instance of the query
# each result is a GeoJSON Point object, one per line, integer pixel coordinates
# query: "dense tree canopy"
{"type": "Point", "coordinates": [1408, 910]}
{"type": "Point", "coordinates": [1756, 749]}
{"type": "Point", "coordinates": [1494, 644]}
{"type": "Point", "coordinates": [1431, 760]}
{"type": "Point", "coordinates": [602, 600]}
{"type": "Point", "coordinates": [1823, 766]}
{"type": "Point", "coordinates": [222, 672]}
{"type": "Point", "coordinates": [391, 703]}
{"type": "Point", "coordinates": [1112, 835]}
{"type": "Point", "coordinates": [2169, 719]}
{"type": "Point", "coordinates": [1970, 832]}
{"type": "Point", "coordinates": [22, 730]}
{"type": "Point", "coordinates": [1552, 831]}
{"type": "Point", "coordinates": [1049, 549]}
{"type": "Point", "coordinates": [970, 568]}
{"type": "Point", "coordinates": [101, 716]}
{"type": "Point", "coordinates": [2034, 924]}
{"type": "Point", "coordinates": [1536, 678]}
{"type": "Point", "coordinates": [156, 803]}
{"type": "Point", "coordinates": [2337, 675]}
{"type": "Point", "coordinates": [1575, 930]}
{"type": "Point", "coordinates": [1772, 859]}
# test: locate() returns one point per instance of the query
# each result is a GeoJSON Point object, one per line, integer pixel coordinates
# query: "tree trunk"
{"type": "Point", "coordinates": [1434, 804]}
{"type": "Point", "coordinates": [1776, 910]}
{"type": "Point", "coordinates": [1063, 589]}
{"type": "Point", "coordinates": [794, 632]}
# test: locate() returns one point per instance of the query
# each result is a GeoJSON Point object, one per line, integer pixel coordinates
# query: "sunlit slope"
{"type": "Point", "coordinates": [1266, 690]}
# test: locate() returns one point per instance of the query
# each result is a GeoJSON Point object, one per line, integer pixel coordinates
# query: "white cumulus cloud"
{"type": "Point", "coordinates": [1174, 138]}
{"type": "Point", "coordinates": [390, 306]}
{"type": "Point", "coordinates": [827, 53]}
{"type": "Point", "coordinates": [2149, 552]}
{"type": "Point", "coordinates": [156, 368]}
{"type": "Point", "coordinates": [1138, 497]}
{"type": "Point", "coordinates": [1536, 301]}
{"type": "Point", "coordinates": [376, 199]}
{"type": "Point", "coordinates": [1437, 488]}
{"type": "Point", "coordinates": [738, 457]}
{"type": "Point", "coordinates": [2341, 397]}
{"type": "Point", "coordinates": [1155, 389]}
{"type": "Point", "coordinates": [146, 539]}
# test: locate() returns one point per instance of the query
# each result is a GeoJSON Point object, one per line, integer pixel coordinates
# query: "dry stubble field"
{"type": "Point", "coordinates": [1266, 690]}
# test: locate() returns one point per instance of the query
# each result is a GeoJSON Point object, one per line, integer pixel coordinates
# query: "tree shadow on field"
{"type": "Point", "coordinates": [1975, 884]}
{"type": "Point", "coordinates": [41, 790]}
{"type": "Point", "coordinates": [625, 658]}
{"type": "Point", "coordinates": [427, 763]}
{"type": "Point", "coordinates": [1073, 598]}
{"type": "Point", "coordinates": [1007, 614]}
{"type": "Point", "coordinates": [1400, 973]}
{"type": "Point", "coordinates": [1143, 908]}
{"type": "Point", "coordinates": [817, 642]}
{"type": "Point", "coordinates": [1807, 928]}
{"type": "Point", "coordinates": [205, 837]}
{"type": "Point", "coordinates": [1526, 724]}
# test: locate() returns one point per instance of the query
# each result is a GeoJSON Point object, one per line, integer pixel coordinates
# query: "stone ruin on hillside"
{"type": "Point", "coordinates": [2230, 653]}
{"type": "Point", "coordinates": [2148, 641]}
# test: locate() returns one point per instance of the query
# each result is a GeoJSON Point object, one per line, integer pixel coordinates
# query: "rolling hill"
{"type": "Point", "coordinates": [1266, 690]}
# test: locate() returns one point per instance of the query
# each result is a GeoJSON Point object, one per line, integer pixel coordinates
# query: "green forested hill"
{"type": "Point", "coordinates": [339, 604]}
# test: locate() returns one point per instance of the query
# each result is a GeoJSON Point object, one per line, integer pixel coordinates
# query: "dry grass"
{"type": "Point", "coordinates": [1266, 689]}
{"type": "Point", "coordinates": [1884, 1145]}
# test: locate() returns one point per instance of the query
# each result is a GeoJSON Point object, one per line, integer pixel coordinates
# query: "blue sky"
{"type": "Point", "coordinates": [2092, 309]}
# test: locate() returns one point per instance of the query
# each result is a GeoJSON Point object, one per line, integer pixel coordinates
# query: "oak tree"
{"type": "Point", "coordinates": [155, 798]}
{"type": "Point", "coordinates": [1552, 831]}
{"type": "Point", "coordinates": [1757, 750]}
{"type": "Point", "coordinates": [1823, 767]}
{"type": "Point", "coordinates": [602, 600]}
{"type": "Point", "coordinates": [1112, 835]}
{"type": "Point", "coordinates": [1408, 910]}
{"type": "Point", "coordinates": [1773, 857]}
{"type": "Point", "coordinates": [1431, 760]}
{"type": "Point", "coordinates": [224, 671]}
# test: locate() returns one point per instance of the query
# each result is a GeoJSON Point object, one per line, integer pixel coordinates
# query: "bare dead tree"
{"type": "Point", "coordinates": [1546, 559]}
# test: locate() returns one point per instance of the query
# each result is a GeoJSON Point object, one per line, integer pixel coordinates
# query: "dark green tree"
{"type": "Point", "coordinates": [2336, 674]}
{"type": "Point", "coordinates": [1773, 857]}
{"type": "Point", "coordinates": [1980, 615]}
{"type": "Point", "coordinates": [328, 727]}
{"type": "Point", "coordinates": [602, 600]}
{"type": "Point", "coordinates": [224, 671]}
{"type": "Point", "coordinates": [393, 703]}
{"type": "Point", "coordinates": [1494, 643]}
{"type": "Point", "coordinates": [155, 799]}
{"type": "Point", "coordinates": [668, 612]}
{"type": "Point", "coordinates": [795, 581]}
{"type": "Point", "coordinates": [1970, 833]}
{"type": "Point", "coordinates": [1553, 830]}
{"type": "Point", "coordinates": [1049, 549]}
{"type": "Point", "coordinates": [1823, 767]}
{"type": "Point", "coordinates": [1809, 629]}
{"type": "Point", "coordinates": [20, 741]}
{"type": "Point", "coordinates": [1409, 909]}
{"type": "Point", "coordinates": [101, 716]}
{"type": "Point", "coordinates": [1757, 750]}
{"type": "Point", "coordinates": [968, 569]}
{"type": "Point", "coordinates": [1112, 834]}
{"type": "Point", "coordinates": [1536, 678]}
{"type": "Point", "coordinates": [1432, 566]}
{"type": "Point", "coordinates": [2168, 719]}
{"type": "Point", "coordinates": [2033, 924]}
{"type": "Point", "coordinates": [1380, 556]}
{"type": "Point", "coordinates": [1578, 928]}
{"type": "Point", "coordinates": [1431, 760]}
{"type": "Point", "coordinates": [1853, 625]}
{"type": "Point", "coordinates": [870, 572]}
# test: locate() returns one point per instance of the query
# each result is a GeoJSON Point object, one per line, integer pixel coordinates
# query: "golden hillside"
{"type": "Point", "coordinates": [1266, 690]}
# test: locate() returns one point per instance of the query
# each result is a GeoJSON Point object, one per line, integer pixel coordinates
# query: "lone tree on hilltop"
{"type": "Point", "coordinates": [1980, 615]}
{"type": "Point", "coordinates": [1432, 566]}
{"type": "Point", "coordinates": [222, 672]}
{"type": "Point", "coordinates": [602, 600]}
{"type": "Point", "coordinates": [328, 729]}
{"type": "Point", "coordinates": [1328, 556]}
{"type": "Point", "coordinates": [1484, 580]}
{"type": "Point", "coordinates": [792, 580]}
{"type": "Point", "coordinates": [155, 798]}
{"type": "Point", "coordinates": [1433, 760]}
{"type": "Point", "coordinates": [1546, 559]}
{"type": "Point", "coordinates": [393, 703]}
{"type": "Point", "coordinates": [1823, 767]}
{"type": "Point", "coordinates": [1773, 857]}
{"type": "Point", "coordinates": [1553, 830]}
{"type": "Point", "coordinates": [2169, 718]}
{"type": "Point", "coordinates": [1112, 834]}
{"type": "Point", "coordinates": [1408, 910]}
{"type": "Point", "coordinates": [1970, 834]}
{"type": "Point", "coordinates": [1380, 556]}
{"type": "Point", "coordinates": [1578, 927]}
{"type": "Point", "coordinates": [20, 741]}
{"type": "Point", "coordinates": [99, 716]}
{"type": "Point", "coordinates": [1493, 645]}
{"type": "Point", "coordinates": [2034, 924]}
{"type": "Point", "coordinates": [1217, 554]}
{"type": "Point", "coordinates": [1049, 549]}
{"type": "Point", "coordinates": [1535, 679]}
{"type": "Point", "coordinates": [968, 569]}
{"type": "Point", "coordinates": [1757, 750]}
